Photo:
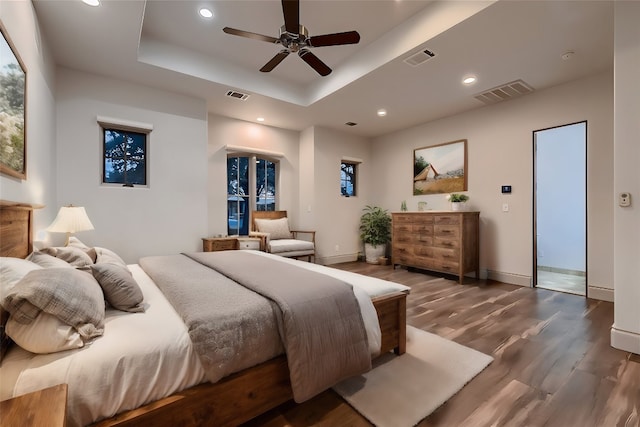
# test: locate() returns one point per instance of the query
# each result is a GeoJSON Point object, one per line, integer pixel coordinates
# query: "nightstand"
{"type": "Point", "coordinates": [249, 243]}
{"type": "Point", "coordinates": [42, 408]}
{"type": "Point", "coordinates": [212, 244]}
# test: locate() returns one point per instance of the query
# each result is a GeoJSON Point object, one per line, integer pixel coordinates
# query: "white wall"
{"type": "Point", "coordinates": [225, 131]}
{"type": "Point", "coordinates": [337, 217]}
{"type": "Point", "coordinates": [625, 333]}
{"type": "Point", "coordinates": [500, 151]}
{"type": "Point", "coordinates": [19, 20]}
{"type": "Point", "coordinates": [169, 216]}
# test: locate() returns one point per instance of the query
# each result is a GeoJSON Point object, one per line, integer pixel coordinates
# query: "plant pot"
{"type": "Point", "coordinates": [457, 206]}
{"type": "Point", "coordinates": [373, 253]}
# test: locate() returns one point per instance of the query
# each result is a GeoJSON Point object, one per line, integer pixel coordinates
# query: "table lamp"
{"type": "Point", "coordinates": [70, 219]}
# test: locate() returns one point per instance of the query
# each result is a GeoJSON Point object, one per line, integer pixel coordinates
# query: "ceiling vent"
{"type": "Point", "coordinates": [504, 92]}
{"type": "Point", "coordinates": [351, 124]}
{"type": "Point", "coordinates": [238, 95]}
{"type": "Point", "coordinates": [420, 57]}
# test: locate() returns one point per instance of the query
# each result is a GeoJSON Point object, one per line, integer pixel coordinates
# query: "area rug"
{"type": "Point", "coordinates": [400, 391]}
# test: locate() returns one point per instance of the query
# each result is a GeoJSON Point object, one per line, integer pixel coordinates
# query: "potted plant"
{"type": "Point", "coordinates": [457, 200]}
{"type": "Point", "coordinates": [375, 232]}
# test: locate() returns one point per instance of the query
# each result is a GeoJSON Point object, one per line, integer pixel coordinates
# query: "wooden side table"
{"type": "Point", "coordinates": [249, 243]}
{"type": "Point", "coordinates": [42, 408]}
{"type": "Point", "coordinates": [212, 244]}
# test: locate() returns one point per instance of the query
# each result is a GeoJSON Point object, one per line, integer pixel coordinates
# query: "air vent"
{"type": "Point", "coordinates": [420, 57]}
{"type": "Point", "coordinates": [351, 124]}
{"type": "Point", "coordinates": [504, 92]}
{"type": "Point", "coordinates": [237, 95]}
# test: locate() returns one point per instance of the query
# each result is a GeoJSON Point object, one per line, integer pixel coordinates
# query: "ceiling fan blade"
{"type": "Point", "coordinates": [250, 35]}
{"type": "Point", "coordinates": [291, 12]}
{"type": "Point", "coordinates": [315, 62]}
{"type": "Point", "coordinates": [275, 61]}
{"type": "Point", "coordinates": [348, 37]}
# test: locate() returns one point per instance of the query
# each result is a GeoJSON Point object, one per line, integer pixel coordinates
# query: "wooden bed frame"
{"type": "Point", "coordinates": [234, 399]}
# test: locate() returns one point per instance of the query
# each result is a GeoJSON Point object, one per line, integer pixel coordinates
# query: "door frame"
{"type": "Point", "coordinates": [534, 277]}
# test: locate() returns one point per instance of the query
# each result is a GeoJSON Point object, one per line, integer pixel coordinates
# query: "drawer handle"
{"type": "Point", "coordinates": [446, 231]}
{"type": "Point", "coordinates": [447, 243]}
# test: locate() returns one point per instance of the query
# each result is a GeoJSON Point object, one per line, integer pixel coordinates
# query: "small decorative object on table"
{"type": "Point", "coordinates": [457, 201]}
{"type": "Point", "coordinates": [421, 206]}
{"type": "Point", "coordinates": [403, 206]}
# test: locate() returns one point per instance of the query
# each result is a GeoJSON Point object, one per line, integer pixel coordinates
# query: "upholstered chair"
{"type": "Point", "coordinates": [276, 237]}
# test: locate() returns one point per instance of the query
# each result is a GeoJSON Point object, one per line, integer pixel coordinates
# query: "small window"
{"type": "Point", "coordinates": [124, 156]}
{"type": "Point", "coordinates": [348, 171]}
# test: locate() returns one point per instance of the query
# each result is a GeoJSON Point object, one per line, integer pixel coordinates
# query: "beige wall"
{"type": "Point", "coordinates": [500, 153]}
{"type": "Point", "coordinates": [19, 20]}
{"type": "Point", "coordinates": [625, 333]}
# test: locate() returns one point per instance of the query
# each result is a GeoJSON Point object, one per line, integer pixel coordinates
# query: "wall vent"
{"type": "Point", "coordinates": [420, 57]}
{"type": "Point", "coordinates": [504, 92]}
{"type": "Point", "coordinates": [238, 95]}
{"type": "Point", "coordinates": [351, 124]}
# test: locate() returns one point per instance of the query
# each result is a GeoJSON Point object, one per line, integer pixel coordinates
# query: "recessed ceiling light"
{"type": "Point", "coordinates": [205, 13]}
{"type": "Point", "coordinates": [91, 2]}
{"type": "Point", "coordinates": [469, 80]}
{"type": "Point", "coordinates": [382, 112]}
{"type": "Point", "coordinates": [260, 119]}
{"type": "Point", "coordinates": [568, 55]}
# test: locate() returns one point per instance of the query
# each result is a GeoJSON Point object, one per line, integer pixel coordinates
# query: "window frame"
{"type": "Point", "coordinates": [354, 181]}
{"type": "Point", "coordinates": [108, 124]}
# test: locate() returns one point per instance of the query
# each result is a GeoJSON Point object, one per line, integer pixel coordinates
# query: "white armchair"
{"type": "Point", "coordinates": [272, 227]}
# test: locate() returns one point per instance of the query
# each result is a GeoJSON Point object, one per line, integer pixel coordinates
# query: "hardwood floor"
{"type": "Point", "coordinates": [553, 363]}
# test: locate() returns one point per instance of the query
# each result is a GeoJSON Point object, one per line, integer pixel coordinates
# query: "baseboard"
{"type": "Point", "coordinates": [562, 271]}
{"type": "Point", "coordinates": [337, 259]}
{"type": "Point", "coordinates": [511, 278]}
{"type": "Point", "coordinates": [625, 340]}
{"type": "Point", "coordinates": [604, 294]}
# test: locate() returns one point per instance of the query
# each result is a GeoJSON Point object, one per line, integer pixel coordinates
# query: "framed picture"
{"type": "Point", "coordinates": [13, 97]}
{"type": "Point", "coordinates": [440, 168]}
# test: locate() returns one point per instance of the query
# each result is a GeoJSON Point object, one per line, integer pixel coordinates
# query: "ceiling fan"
{"type": "Point", "coordinates": [295, 38]}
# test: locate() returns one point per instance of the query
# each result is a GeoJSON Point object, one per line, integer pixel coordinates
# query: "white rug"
{"type": "Point", "coordinates": [400, 391]}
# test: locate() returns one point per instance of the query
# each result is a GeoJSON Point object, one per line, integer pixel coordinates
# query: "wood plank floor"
{"type": "Point", "coordinates": [553, 363]}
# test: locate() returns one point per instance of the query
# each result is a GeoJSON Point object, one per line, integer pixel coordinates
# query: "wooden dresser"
{"type": "Point", "coordinates": [442, 241]}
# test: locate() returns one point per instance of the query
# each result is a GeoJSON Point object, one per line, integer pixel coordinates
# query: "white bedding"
{"type": "Point", "coordinates": [153, 351]}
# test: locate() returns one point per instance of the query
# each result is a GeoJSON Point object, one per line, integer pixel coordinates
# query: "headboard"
{"type": "Point", "coordinates": [16, 240]}
{"type": "Point", "coordinates": [16, 228]}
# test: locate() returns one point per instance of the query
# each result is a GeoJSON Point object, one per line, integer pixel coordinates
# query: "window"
{"type": "Point", "coordinates": [243, 196]}
{"type": "Point", "coordinates": [124, 152]}
{"type": "Point", "coordinates": [348, 173]}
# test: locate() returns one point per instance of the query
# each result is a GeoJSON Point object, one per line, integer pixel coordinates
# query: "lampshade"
{"type": "Point", "coordinates": [70, 219]}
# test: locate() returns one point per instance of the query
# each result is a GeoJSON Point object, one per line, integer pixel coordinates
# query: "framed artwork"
{"type": "Point", "coordinates": [440, 168]}
{"type": "Point", "coordinates": [13, 82]}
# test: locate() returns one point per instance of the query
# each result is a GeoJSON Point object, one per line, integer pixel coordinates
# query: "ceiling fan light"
{"type": "Point", "coordinates": [382, 112]}
{"type": "Point", "coordinates": [91, 2]}
{"type": "Point", "coordinates": [205, 13]}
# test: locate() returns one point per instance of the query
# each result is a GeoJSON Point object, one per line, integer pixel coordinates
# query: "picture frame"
{"type": "Point", "coordinates": [13, 108]}
{"type": "Point", "coordinates": [440, 168]}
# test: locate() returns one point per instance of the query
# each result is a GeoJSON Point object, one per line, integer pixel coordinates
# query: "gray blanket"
{"type": "Point", "coordinates": [321, 328]}
{"type": "Point", "coordinates": [317, 317]}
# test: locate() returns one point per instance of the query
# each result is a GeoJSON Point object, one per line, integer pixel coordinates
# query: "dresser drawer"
{"type": "Point", "coordinates": [446, 254]}
{"type": "Point", "coordinates": [446, 242]}
{"type": "Point", "coordinates": [444, 219]}
{"type": "Point", "coordinates": [249, 244]}
{"type": "Point", "coordinates": [411, 219]}
{"type": "Point", "coordinates": [446, 266]}
{"type": "Point", "coordinates": [450, 231]}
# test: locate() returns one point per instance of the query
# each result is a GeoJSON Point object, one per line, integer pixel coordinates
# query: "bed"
{"type": "Point", "coordinates": [171, 389]}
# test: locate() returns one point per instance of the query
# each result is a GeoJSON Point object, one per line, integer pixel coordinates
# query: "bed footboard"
{"type": "Point", "coordinates": [249, 393]}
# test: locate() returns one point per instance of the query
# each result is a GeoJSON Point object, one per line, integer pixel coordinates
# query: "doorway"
{"type": "Point", "coordinates": [560, 208]}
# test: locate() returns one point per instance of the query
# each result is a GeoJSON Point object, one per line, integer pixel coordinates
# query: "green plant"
{"type": "Point", "coordinates": [454, 197]}
{"type": "Point", "coordinates": [375, 226]}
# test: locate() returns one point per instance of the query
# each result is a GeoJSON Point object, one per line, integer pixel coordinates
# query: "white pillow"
{"type": "Point", "coordinates": [46, 334]}
{"type": "Point", "coordinates": [12, 270]}
{"type": "Point", "coordinates": [277, 228]}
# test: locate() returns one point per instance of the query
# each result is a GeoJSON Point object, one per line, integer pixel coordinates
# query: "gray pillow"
{"type": "Point", "coordinates": [77, 257]}
{"type": "Point", "coordinates": [108, 256]}
{"type": "Point", "coordinates": [71, 295]}
{"type": "Point", "coordinates": [120, 288]}
{"type": "Point", "coordinates": [47, 261]}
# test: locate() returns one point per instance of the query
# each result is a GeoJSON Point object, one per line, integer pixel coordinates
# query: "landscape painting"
{"type": "Point", "coordinates": [440, 168]}
{"type": "Point", "coordinates": [12, 111]}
